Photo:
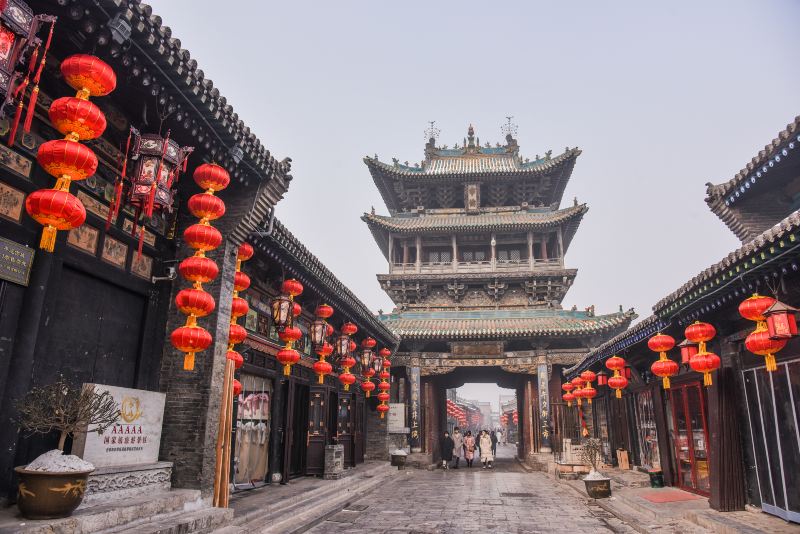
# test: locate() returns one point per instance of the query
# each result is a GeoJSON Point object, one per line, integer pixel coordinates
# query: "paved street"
{"type": "Point", "coordinates": [505, 499]}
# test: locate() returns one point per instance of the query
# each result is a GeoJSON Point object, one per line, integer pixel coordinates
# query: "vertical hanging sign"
{"type": "Point", "coordinates": [544, 406]}
{"type": "Point", "coordinates": [414, 438]}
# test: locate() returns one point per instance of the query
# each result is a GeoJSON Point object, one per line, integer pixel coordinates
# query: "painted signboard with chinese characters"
{"type": "Point", "coordinates": [15, 262]}
{"type": "Point", "coordinates": [397, 418]}
{"type": "Point", "coordinates": [414, 381]}
{"type": "Point", "coordinates": [134, 439]}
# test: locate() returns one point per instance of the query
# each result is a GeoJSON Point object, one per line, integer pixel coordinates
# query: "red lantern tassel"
{"type": "Point", "coordinates": [665, 382]}
{"type": "Point", "coordinates": [48, 241]}
{"type": "Point", "coordinates": [706, 379]}
{"type": "Point", "coordinates": [141, 243]}
{"type": "Point", "coordinates": [35, 92]}
{"type": "Point", "coordinates": [113, 209]}
{"type": "Point", "coordinates": [188, 361]}
{"type": "Point", "coordinates": [151, 198]}
{"type": "Point", "coordinates": [619, 393]}
{"type": "Point", "coordinates": [19, 92]}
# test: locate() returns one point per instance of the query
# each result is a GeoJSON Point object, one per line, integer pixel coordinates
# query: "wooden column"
{"type": "Point", "coordinates": [560, 244]}
{"type": "Point", "coordinates": [543, 379]}
{"type": "Point", "coordinates": [391, 253]}
{"type": "Point", "coordinates": [405, 251]}
{"type": "Point", "coordinates": [455, 252]}
{"type": "Point", "coordinates": [544, 247]}
{"type": "Point", "coordinates": [493, 244]}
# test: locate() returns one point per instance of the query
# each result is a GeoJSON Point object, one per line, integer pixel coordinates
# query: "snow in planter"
{"type": "Point", "coordinates": [56, 461]}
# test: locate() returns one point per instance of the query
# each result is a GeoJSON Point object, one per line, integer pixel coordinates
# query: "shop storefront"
{"type": "Point", "coordinates": [252, 428]}
{"type": "Point", "coordinates": [688, 434]}
{"type": "Point", "coordinates": [646, 433]}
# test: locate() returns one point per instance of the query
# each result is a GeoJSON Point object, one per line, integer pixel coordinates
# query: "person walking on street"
{"type": "Point", "coordinates": [469, 448]}
{"type": "Point", "coordinates": [493, 437]}
{"type": "Point", "coordinates": [486, 449]}
{"type": "Point", "coordinates": [501, 436]}
{"type": "Point", "coordinates": [458, 446]}
{"type": "Point", "coordinates": [446, 447]}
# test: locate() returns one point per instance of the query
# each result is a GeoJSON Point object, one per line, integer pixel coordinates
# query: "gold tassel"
{"type": "Point", "coordinates": [771, 363]}
{"type": "Point", "coordinates": [665, 382]}
{"type": "Point", "coordinates": [287, 370]}
{"type": "Point", "coordinates": [188, 361]}
{"type": "Point", "coordinates": [578, 400]}
{"type": "Point", "coordinates": [367, 395]}
{"type": "Point", "coordinates": [48, 241]}
{"type": "Point", "coordinates": [320, 379]}
{"type": "Point", "coordinates": [590, 400]}
{"type": "Point", "coordinates": [347, 387]}
{"type": "Point", "coordinates": [382, 415]}
{"type": "Point", "coordinates": [706, 379]}
{"type": "Point", "coordinates": [619, 393]}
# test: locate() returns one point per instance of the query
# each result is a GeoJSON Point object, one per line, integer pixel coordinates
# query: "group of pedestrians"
{"type": "Point", "coordinates": [466, 445]}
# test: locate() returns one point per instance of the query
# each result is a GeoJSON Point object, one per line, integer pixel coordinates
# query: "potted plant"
{"type": "Point", "coordinates": [53, 485]}
{"type": "Point", "coordinates": [598, 486]}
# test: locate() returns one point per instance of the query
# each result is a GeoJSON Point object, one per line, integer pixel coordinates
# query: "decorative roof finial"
{"type": "Point", "coordinates": [471, 135]}
{"type": "Point", "coordinates": [509, 129]}
{"type": "Point", "coordinates": [431, 132]}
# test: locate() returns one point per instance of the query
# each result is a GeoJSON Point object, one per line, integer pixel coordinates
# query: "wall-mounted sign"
{"type": "Point", "coordinates": [478, 349]}
{"type": "Point", "coordinates": [15, 262]}
{"type": "Point", "coordinates": [134, 439]}
{"type": "Point", "coordinates": [396, 422]}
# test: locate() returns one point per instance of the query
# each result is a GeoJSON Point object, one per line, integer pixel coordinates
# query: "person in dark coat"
{"type": "Point", "coordinates": [446, 445]}
{"type": "Point", "coordinates": [494, 443]}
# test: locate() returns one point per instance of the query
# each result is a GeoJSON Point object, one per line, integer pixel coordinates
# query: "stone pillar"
{"type": "Point", "coordinates": [543, 379]}
{"type": "Point", "coordinates": [544, 247]}
{"type": "Point", "coordinates": [530, 250]}
{"type": "Point", "coordinates": [405, 252]}
{"type": "Point", "coordinates": [455, 253]}
{"type": "Point", "coordinates": [419, 253]}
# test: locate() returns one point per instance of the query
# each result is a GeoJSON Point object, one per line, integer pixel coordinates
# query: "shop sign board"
{"type": "Point", "coordinates": [15, 262]}
{"type": "Point", "coordinates": [135, 438]}
{"type": "Point", "coordinates": [397, 418]}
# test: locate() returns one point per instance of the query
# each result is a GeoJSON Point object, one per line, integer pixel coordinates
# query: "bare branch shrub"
{"type": "Point", "coordinates": [66, 408]}
{"type": "Point", "coordinates": [592, 451]}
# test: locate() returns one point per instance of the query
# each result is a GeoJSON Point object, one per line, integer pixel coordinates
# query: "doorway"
{"type": "Point", "coordinates": [689, 431]}
{"type": "Point", "coordinates": [298, 417]}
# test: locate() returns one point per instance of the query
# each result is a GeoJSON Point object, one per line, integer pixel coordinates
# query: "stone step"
{"type": "Point", "coordinates": [296, 514]}
{"type": "Point", "coordinates": [203, 520]}
{"type": "Point", "coordinates": [109, 515]}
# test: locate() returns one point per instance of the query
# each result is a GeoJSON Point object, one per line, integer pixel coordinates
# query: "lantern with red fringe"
{"type": "Point", "coordinates": [65, 159]}
{"type": "Point", "coordinates": [702, 361]}
{"type": "Point", "coordinates": [616, 382]}
{"type": "Point", "coordinates": [199, 270]}
{"type": "Point", "coordinates": [284, 310]}
{"type": "Point", "coordinates": [365, 359]}
{"type": "Point", "coordinates": [568, 396]}
{"type": "Point", "coordinates": [577, 382]}
{"type": "Point", "coordinates": [755, 308]}
{"type": "Point", "coordinates": [236, 333]}
{"type": "Point", "coordinates": [781, 321]}
{"type": "Point", "coordinates": [588, 392]}
{"type": "Point", "coordinates": [318, 332]}
{"type": "Point", "coordinates": [664, 367]}
{"type": "Point", "coordinates": [384, 386]}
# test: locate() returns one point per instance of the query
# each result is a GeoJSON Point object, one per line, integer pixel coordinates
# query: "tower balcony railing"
{"type": "Point", "coordinates": [506, 266]}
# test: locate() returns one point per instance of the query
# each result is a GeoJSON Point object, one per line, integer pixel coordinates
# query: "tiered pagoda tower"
{"type": "Point", "coordinates": [475, 239]}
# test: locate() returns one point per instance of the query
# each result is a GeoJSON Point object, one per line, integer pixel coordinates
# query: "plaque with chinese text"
{"type": "Point", "coordinates": [15, 262]}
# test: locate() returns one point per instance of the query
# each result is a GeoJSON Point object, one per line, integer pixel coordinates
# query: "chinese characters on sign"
{"type": "Point", "coordinates": [15, 262]}
{"type": "Point", "coordinates": [415, 412]}
{"type": "Point", "coordinates": [134, 439]}
{"type": "Point", "coordinates": [544, 404]}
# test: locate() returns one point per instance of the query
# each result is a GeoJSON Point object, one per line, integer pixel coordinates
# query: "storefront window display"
{"type": "Point", "coordinates": [646, 430]}
{"type": "Point", "coordinates": [688, 433]}
{"type": "Point", "coordinates": [599, 407]}
{"type": "Point", "coordinates": [252, 431]}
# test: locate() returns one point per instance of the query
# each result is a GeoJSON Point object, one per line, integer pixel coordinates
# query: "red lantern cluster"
{"type": "Point", "coordinates": [198, 269]}
{"type": "Point", "coordinates": [287, 332]}
{"type": "Point", "coordinates": [384, 384]}
{"type": "Point", "coordinates": [702, 361]}
{"type": "Point", "coordinates": [577, 384]}
{"type": "Point", "coordinates": [775, 323]}
{"type": "Point", "coordinates": [617, 381]}
{"type": "Point", "coordinates": [344, 347]}
{"type": "Point", "coordinates": [587, 392]}
{"type": "Point", "coordinates": [66, 159]}
{"type": "Point", "coordinates": [664, 367]}
{"type": "Point", "coordinates": [568, 396]}
{"type": "Point", "coordinates": [320, 330]}
{"type": "Point", "coordinates": [237, 334]}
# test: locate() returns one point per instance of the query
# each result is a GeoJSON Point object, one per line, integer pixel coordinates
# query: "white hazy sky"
{"type": "Point", "coordinates": [661, 97]}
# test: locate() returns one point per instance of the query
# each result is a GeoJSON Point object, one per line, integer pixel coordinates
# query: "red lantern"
{"type": "Point", "coordinates": [618, 383]}
{"type": "Point", "coordinates": [288, 357]}
{"type": "Point", "coordinates": [382, 409]}
{"type": "Point", "coordinates": [781, 321]}
{"type": "Point", "coordinates": [383, 396]}
{"type": "Point", "coordinates": [239, 307]}
{"type": "Point", "coordinates": [347, 379]}
{"type": "Point", "coordinates": [202, 237]}
{"type": "Point", "coordinates": [240, 281]}
{"type": "Point", "coordinates": [349, 329]}
{"type": "Point", "coordinates": [588, 376]}
{"type": "Point", "coordinates": [236, 334]}
{"type": "Point", "coordinates": [212, 178]}
{"type": "Point", "coordinates": [567, 397]}
{"type": "Point", "coordinates": [384, 376]}
{"type": "Point", "coordinates": [700, 333]}
{"type": "Point", "coordinates": [292, 287]}
{"type": "Point", "coordinates": [67, 160]}
{"type": "Point", "coordinates": [324, 311]}
{"type": "Point", "coordinates": [290, 335]}
{"type": "Point", "coordinates": [206, 207]}
{"type": "Point", "coordinates": [567, 386]}
{"type": "Point", "coordinates": [384, 353]}
{"type": "Point", "coordinates": [705, 362]}
{"type": "Point", "coordinates": [753, 308]}
{"type": "Point", "coordinates": [245, 252]}
{"type": "Point", "coordinates": [237, 388]}
{"type": "Point", "coordinates": [55, 210]}
{"type": "Point", "coordinates": [88, 75]}
{"type": "Point", "coordinates": [615, 363]}
{"type": "Point", "coordinates": [759, 342]}
{"type": "Point", "coordinates": [688, 349]}
{"type": "Point", "coordinates": [368, 343]}
{"type": "Point", "coordinates": [589, 392]}
{"type": "Point", "coordinates": [190, 339]}
{"type": "Point", "coordinates": [195, 302]}
{"type": "Point", "coordinates": [347, 362]}
{"type": "Point", "coordinates": [367, 386]}
{"type": "Point", "coordinates": [238, 361]}
{"type": "Point", "coordinates": [325, 350]}
{"type": "Point", "coordinates": [322, 368]}
{"type": "Point", "coordinates": [79, 120]}
{"type": "Point", "coordinates": [664, 367]}
{"type": "Point", "coordinates": [199, 269]}
{"type": "Point", "coordinates": [369, 372]}
{"type": "Point", "coordinates": [296, 309]}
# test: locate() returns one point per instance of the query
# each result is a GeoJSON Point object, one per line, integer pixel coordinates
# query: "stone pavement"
{"type": "Point", "coordinates": [506, 499]}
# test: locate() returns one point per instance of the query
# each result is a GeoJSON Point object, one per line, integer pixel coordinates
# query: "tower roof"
{"type": "Point", "coordinates": [547, 175]}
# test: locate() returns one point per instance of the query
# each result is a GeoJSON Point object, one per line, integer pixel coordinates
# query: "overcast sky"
{"type": "Point", "coordinates": [661, 98]}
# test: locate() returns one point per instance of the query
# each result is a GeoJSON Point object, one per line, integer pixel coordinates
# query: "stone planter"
{"type": "Point", "coordinates": [44, 495]}
{"type": "Point", "coordinates": [598, 489]}
{"type": "Point", "coordinates": [656, 479]}
{"type": "Point", "coordinates": [399, 460]}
